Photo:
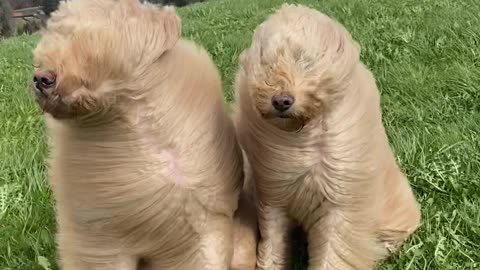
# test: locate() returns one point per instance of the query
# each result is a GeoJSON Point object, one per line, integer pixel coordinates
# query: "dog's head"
{"type": "Point", "coordinates": [91, 51]}
{"type": "Point", "coordinates": [297, 66]}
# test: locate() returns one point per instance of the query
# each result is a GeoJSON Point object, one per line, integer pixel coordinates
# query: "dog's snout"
{"type": "Point", "coordinates": [44, 80]}
{"type": "Point", "coordinates": [282, 102]}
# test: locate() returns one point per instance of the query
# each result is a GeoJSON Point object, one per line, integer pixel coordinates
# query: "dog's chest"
{"type": "Point", "coordinates": [281, 173]}
{"type": "Point", "coordinates": [166, 211]}
{"type": "Point", "coordinates": [170, 167]}
{"type": "Point", "coordinates": [131, 194]}
{"type": "Point", "coordinates": [288, 185]}
{"type": "Point", "coordinates": [274, 161]}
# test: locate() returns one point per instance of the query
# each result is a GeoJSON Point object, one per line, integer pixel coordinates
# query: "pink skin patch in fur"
{"type": "Point", "coordinates": [173, 168]}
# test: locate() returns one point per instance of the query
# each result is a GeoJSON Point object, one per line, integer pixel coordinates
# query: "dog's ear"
{"type": "Point", "coordinates": [286, 6]}
{"type": "Point", "coordinates": [173, 27]}
{"type": "Point", "coordinates": [132, 5]}
{"type": "Point", "coordinates": [164, 26]}
{"type": "Point", "coordinates": [147, 31]}
{"type": "Point", "coordinates": [244, 61]}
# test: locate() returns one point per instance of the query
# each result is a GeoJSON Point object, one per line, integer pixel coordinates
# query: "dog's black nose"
{"type": "Point", "coordinates": [282, 102]}
{"type": "Point", "coordinates": [44, 80]}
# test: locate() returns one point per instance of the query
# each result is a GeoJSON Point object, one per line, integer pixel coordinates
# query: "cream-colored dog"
{"type": "Point", "coordinates": [310, 122]}
{"type": "Point", "coordinates": [145, 165]}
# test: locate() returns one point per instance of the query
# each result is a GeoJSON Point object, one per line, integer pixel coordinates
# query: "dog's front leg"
{"type": "Point", "coordinates": [273, 248]}
{"type": "Point", "coordinates": [341, 240]}
{"type": "Point", "coordinates": [217, 245]}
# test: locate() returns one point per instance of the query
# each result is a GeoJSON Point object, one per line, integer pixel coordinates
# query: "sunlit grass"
{"type": "Point", "coordinates": [426, 59]}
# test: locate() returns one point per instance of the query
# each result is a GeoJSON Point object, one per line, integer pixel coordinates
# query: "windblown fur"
{"type": "Point", "coordinates": [144, 163]}
{"type": "Point", "coordinates": [325, 163]}
{"type": "Point", "coordinates": [246, 226]}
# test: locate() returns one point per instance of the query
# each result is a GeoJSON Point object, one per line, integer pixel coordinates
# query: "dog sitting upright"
{"type": "Point", "coordinates": [145, 165]}
{"type": "Point", "coordinates": [309, 119]}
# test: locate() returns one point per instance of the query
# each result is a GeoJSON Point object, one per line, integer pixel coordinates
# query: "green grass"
{"type": "Point", "coordinates": [426, 58]}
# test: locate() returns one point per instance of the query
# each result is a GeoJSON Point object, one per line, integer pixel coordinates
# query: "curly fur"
{"type": "Point", "coordinates": [328, 166]}
{"type": "Point", "coordinates": [144, 163]}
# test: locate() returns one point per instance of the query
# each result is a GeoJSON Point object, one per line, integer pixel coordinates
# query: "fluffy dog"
{"type": "Point", "coordinates": [144, 163]}
{"type": "Point", "coordinates": [309, 119]}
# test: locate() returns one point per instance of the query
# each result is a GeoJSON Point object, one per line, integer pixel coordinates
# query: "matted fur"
{"type": "Point", "coordinates": [144, 161]}
{"type": "Point", "coordinates": [328, 166]}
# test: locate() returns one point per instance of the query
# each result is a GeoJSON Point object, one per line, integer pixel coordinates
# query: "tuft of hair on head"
{"type": "Point", "coordinates": [88, 44]}
{"type": "Point", "coordinates": [307, 39]}
{"type": "Point", "coordinates": [301, 54]}
{"type": "Point", "coordinates": [108, 34]}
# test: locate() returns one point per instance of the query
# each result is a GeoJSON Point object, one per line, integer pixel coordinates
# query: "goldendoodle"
{"type": "Point", "coordinates": [144, 164]}
{"type": "Point", "coordinates": [309, 119]}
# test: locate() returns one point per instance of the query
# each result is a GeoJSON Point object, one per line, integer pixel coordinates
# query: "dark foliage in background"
{"type": "Point", "coordinates": [7, 27]}
{"type": "Point", "coordinates": [49, 6]}
{"type": "Point", "coordinates": [18, 4]}
{"type": "Point", "coordinates": [178, 3]}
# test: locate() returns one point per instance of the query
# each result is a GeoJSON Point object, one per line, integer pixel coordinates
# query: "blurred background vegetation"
{"type": "Point", "coordinates": [11, 25]}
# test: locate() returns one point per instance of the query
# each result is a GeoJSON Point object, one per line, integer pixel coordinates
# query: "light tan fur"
{"type": "Point", "coordinates": [246, 226]}
{"type": "Point", "coordinates": [144, 163]}
{"type": "Point", "coordinates": [328, 166]}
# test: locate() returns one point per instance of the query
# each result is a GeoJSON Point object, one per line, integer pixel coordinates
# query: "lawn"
{"type": "Point", "coordinates": [425, 55]}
